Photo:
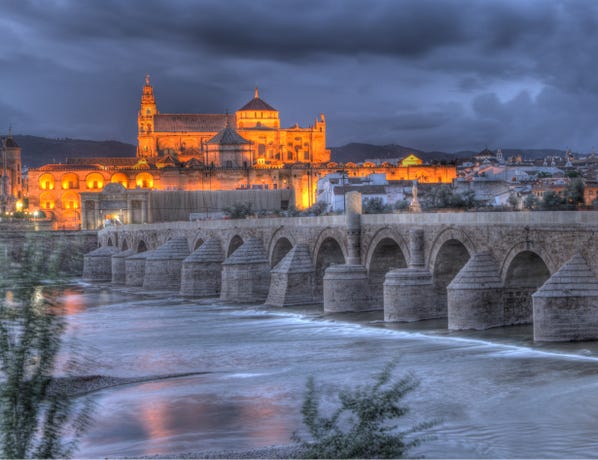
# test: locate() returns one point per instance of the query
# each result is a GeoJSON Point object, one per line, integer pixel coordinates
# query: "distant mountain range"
{"type": "Point", "coordinates": [37, 151]}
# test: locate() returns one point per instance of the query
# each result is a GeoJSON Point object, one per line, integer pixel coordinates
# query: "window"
{"type": "Point", "coordinates": [289, 155]}
{"type": "Point", "coordinates": [306, 156]}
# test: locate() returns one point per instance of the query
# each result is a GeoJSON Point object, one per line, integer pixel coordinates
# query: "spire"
{"type": "Point", "coordinates": [10, 131]}
{"type": "Point", "coordinates": [256, 94]}
{"type": "Point", "coordinates": [147, 80]}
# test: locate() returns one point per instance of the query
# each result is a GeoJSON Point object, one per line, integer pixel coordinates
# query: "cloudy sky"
{"type": "Point", "coordinates": [434, 75]}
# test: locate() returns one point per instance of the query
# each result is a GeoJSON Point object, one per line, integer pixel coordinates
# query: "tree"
{"type": "Point", "coordinates": [238, 210]}
{"type": "Point", "coordinates": [530, 202]}
{"type": "Point", "coordinates": [375, 206]}
{"type": "Point", "coordinates": [574, 194]}
{"type": "Point", "coordinates": [38, 418]}
{"type": "Point", "coordinates": [364, 425]}
{"type": "Point", "coordinates": [513, 201]}
{"type": "Point", "coordinates": [551, 200]}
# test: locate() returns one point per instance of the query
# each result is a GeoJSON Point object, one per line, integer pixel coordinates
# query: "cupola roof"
{"type": "Point", "coordinates": [257, 104]}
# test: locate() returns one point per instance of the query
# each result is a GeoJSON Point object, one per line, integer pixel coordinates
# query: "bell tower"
{"type": "Point", "coordinates": [146, 143]}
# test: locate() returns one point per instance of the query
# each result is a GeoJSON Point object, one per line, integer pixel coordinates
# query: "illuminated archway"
{"type": "Point", "coordinates": [70, 200]}
{"type": "Point", "coordinates": [69, 181]}
{"type": "Point", "coordinates": [46, 201]}
{"type": "Point", "coordinates": [94, 181]}
{"type": "Point", "coordinates": [144, 180]}
{"type": "Point", "coordinates": [120, 178]}
{"type": "Point", "coordinates": [46, 181]}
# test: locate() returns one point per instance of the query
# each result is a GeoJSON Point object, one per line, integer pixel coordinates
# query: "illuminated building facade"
{"type": "Point", "coordinates": [247, 150]}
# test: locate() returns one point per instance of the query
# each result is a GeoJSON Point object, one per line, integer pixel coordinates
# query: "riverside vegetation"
{"type": "Point", "coordinates": [38, 417]}
{"type": "Point", "coordinates": [365, 422]}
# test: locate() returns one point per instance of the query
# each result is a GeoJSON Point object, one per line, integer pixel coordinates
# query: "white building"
{"type": "Point", "coordinates": [331, 189]}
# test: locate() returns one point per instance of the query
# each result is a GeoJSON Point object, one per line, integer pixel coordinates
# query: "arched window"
{"type": "Point", "coordinates": [144, 180]}
{"type": "Point", "coordinates": [120, 178]}
{"type": "Point", "coordinates": [70, 181]}
{"type": "Point", "coordinates": [70, 200]}
{"type": "Point", "coordinates": [46, 181]}
{"type": "Point", "coordinates": [94, 181]}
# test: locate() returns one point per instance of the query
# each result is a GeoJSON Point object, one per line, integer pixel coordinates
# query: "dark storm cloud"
{"type": "Point", "coordinates": [446, 75]}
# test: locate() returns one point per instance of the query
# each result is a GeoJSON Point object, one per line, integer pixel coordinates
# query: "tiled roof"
{"type": "Point", "coordinates": [257, 104]}
{"type": "Point", "coordinates": [212, 122]}
{"type": "Point", "coordinates": [228, 136]}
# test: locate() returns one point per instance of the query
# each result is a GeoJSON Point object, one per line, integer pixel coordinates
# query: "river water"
{"type": "Point", "coordinates": [496, 393]}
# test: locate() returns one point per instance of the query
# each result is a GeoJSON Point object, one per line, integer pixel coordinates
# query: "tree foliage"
{"type": "Point", "coordinates": [238, 210]}
{"type": "Point", "coordinates": [375, 206]}
{"type": "Point", "coordinates": [38, 419]}
{"type": "Point", "coordinates": [365, 423]}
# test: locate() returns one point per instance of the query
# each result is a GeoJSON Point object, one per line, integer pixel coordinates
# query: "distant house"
{"type": "Point", "coordinates": [331, 189]}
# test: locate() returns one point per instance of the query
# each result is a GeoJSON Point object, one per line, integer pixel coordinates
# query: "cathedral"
{"type": "Point", "coordinates": [252, 135]}
{"type": "Point", "coordinates": [246, 151]}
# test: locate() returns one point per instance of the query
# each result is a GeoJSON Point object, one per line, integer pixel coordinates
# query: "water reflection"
{"type": "Point", "coordinates": [498, 394]}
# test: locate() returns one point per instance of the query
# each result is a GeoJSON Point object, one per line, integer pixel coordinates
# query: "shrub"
{"type": "Point", "coordinates": [364, 425]}
{"type": "Point", "coordinates": [238, 210]}
{"type": "Point", "coordinates": [38, 418]}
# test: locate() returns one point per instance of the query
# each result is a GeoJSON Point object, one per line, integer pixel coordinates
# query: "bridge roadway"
{"type": "Point", "coordinates": [467, 266]}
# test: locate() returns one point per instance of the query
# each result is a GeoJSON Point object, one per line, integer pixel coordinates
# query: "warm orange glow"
{"type": "Point", "coordinates": [144, 180]}
{"type": "Point", "coordinates": [121, 179]}
{"type": "Point", "coordinates": [70, 200]}
{"type": "Point", "coordinates": [70, 181]}
{"type": "Point", "coordinates": [19, 205]}
{"type": "Point", "coordinates": [94, 181]}
{"type": "Point", "coordinates": [46, 181]}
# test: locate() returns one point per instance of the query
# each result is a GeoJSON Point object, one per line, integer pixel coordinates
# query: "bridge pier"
{"type": "Point", "coordinates": [201, 275]}
{"type": "Point", "coordinates": [118, 266]}
{"type": "Point", "coordinates": [163, 265]}
{"type": "Point", "coordinates": [292, 280]}
{"type": "Point", "coordinates": [135, 269]}
{"type": "Point", "coordinates": [566, 306]}
{"type": "Point", "coordinates": [347, 287]}
{"type": "Point", "coordinates": [475, 296]}
{"type": "Point", "coordinates": [246, 274]}
{"type": "Point", "coordinates": [97, 264]}
{"type": "Point", "coordinates": [409, 292]}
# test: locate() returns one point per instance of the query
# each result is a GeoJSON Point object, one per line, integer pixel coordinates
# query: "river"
{"type": "Point", "coordinates": [496, 393]}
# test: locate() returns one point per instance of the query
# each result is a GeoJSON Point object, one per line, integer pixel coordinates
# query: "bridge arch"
{"type": "Point", "coordinates": [141, 246]}
{"type": "Point", "coordinates": [386, 251]}
{"type": "Point", "coordinates": [450, 251]}
{"type": "Point", "coordinates": [125, 245]}
{"type": "Point", "coordinates": [233, 244]}
{"type": "Point", "coordinates": [110, 243]}
{"type": "Point", "coordinates": [281, 243]}
{"type": "Point", "coordinates": [328, 251]}
{"type": "Point", "coordinates": [198, 242]}
{"type": "Point", "coordinates": [524, 270]}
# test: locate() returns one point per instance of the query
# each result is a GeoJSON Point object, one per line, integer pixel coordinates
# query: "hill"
{"type": "Point", "coordinates": [37, 151]}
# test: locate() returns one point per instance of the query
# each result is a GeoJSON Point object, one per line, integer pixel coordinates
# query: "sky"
{"type": "Point", "coordinates": [443, 75]}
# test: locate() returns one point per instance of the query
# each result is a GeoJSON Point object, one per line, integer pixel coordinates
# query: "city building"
{"type": "Point", "coordinates": [11, 180]}
{"type": "Point", "coordinates": [244, 151]}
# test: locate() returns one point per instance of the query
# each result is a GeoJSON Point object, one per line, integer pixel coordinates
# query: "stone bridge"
{"type": "Point", "coordinates": [478, 269]}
